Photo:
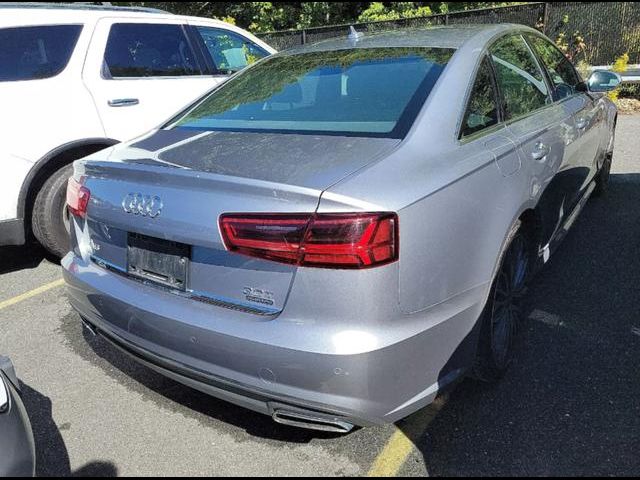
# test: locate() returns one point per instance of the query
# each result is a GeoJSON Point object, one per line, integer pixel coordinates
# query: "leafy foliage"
{"type": "Point", "coordinates": [269, 16]}
{"type": "Point", "coordinates": [378, 11]}
{"type": "Point", "coordinates": [620, 66]}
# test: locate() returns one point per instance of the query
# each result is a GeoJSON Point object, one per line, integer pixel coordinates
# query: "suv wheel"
{"type": "Point", "coordinates": [502, 314]}
{"type": "Point", "coordinates": [50, 220]}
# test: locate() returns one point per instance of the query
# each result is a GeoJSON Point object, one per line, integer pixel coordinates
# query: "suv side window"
{"type": "Point", "coordinates": [35, 53]}
{"type": "Point", "coordinates": [482, 111]}
{"type": "Point", "coordinates": [564, 77]}
{"type": "Point", "coordinates": [149, 50]}
{"type": "Point", "coordinates": [519, 77]}
{"type": "Point", "coordinates": [229, 51]}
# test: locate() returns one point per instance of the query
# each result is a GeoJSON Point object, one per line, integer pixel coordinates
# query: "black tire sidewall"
{"type": "Point", "coordinates": [486, 369]}
{"type": "Point", "coordinates": [48, 210]}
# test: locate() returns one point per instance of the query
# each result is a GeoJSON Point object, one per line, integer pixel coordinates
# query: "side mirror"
{"type": "Point", "coordinates": [602, 81]}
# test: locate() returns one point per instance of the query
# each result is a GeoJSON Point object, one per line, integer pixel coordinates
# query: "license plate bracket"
{"type": "Point", "coordinates": [158, 261]}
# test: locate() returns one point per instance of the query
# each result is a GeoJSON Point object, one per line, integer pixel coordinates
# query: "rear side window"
{"type": "Point", "coordinates": [35, 53]}
{"type": "Point", "coordinates": [229, 51]}
{"type": "Point", "coordinates": [519, 77]}
{"type": "Point", "coordinates": [564, 77]}
{"type": "Point", "coordinates": [482, 111]}
{"type": "Point", "coordinates": [148, 50]}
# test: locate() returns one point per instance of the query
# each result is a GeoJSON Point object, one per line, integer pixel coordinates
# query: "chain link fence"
{"type": "Point", "coordinates": [599, 32]}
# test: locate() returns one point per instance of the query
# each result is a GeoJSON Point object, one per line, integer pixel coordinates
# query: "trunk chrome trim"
{"type": "Point", "coordinates": [189, 294]}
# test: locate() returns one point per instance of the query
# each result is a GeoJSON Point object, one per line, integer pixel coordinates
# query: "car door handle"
{"type": "Point", "coordinates": [124, 102]}
{"type": "Point", "coordinates": [540, 152]}
{"type": "Point", "coordinates": [582, 123]}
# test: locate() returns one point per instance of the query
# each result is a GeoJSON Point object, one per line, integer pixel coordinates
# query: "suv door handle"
{"type": "Point", "coordinates": [540, 152]}
{"type": "Point", "coordinates": [124, 102]}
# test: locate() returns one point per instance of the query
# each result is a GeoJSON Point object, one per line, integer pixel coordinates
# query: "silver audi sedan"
{"type": "Point", "coordinates": [341, 231]}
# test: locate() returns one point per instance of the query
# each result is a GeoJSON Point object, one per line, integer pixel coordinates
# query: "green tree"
{"type": "Point", "coordinates": [379, 11]}
{"type": "Point", "coordinates": [266, 16]}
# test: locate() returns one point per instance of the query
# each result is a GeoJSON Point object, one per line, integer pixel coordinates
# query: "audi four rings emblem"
{"type": "Point", "coordinates": [143, 205]}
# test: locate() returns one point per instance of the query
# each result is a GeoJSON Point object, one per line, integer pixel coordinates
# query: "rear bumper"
{"type": "Point", "coordinates": [182, 340]}
{"type": "Point", "coordinates": [267, 403]}
{"type": "Point", "coordinates": [12, 232]}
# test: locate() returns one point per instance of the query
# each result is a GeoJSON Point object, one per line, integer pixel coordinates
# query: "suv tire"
{"type": "Point", "coordinates": [49, 221]}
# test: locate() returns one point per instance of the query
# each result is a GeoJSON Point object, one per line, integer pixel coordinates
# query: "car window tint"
{"type": "Point", "coordinates": [370, 91]}
{"type": "Point", "coordinates": [520, 79]}
{"type": "Point", "coordinates": [33, 53]}
{"type": "Point", "coordinates": [148, 50]}
{"type": "Point", "coordinates": [482, 111]}
{"type": "Point", "coordinates": [230, 52]}
{"type": "Point", "coordinates": [564, 77]}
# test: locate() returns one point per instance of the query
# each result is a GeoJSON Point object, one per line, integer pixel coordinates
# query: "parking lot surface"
{"type": "Point", "coordinates": [569, 406]}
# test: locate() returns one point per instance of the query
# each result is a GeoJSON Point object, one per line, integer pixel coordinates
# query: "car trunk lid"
{"type": "Point", "coordinates": [159, 201]}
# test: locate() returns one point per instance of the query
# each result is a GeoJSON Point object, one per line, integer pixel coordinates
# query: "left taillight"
{"type": "Point", "coordinates": [78, 197]}
{"type": "Point", "coordinates": [340, 241]}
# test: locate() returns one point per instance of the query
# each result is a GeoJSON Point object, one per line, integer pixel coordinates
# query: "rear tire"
{"type": "Point", "coordinates": [502, 315]}
{"type": "Point", "coordinates": [50, 219]}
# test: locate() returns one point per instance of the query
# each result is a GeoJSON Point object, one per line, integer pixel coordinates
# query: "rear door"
{"type": "Point", "coordinates": [142, 71]}
{"type": "Point", "coordinates": [539, 127]}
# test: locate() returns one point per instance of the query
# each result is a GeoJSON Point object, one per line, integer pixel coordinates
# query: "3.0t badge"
{"type": "Point", "coordinates": [143, 205]}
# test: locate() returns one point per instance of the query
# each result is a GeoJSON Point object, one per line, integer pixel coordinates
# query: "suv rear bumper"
{"type": "Point", "coordinates": [12, 232]}
{"type": "Point", "coordinates": [163, 331]}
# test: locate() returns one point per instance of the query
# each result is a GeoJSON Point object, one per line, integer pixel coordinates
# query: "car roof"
{"type": "Point", "coordinates": [24, 14]}
{"type": "Point", "coordinates": [454, 37]}
{"type": "Point", "coordinates": [77, 6]}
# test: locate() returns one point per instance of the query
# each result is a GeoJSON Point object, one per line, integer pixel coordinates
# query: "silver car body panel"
{"type": "Point", "coordinates": [368, 346]}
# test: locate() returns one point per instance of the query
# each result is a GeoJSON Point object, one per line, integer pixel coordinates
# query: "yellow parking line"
{"type": "Point", "coordinates": [401, 444]}
{"type": "Point", "coordinates": [26, 296]}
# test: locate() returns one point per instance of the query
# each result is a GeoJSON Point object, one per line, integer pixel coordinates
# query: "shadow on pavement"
{"type": "Point", "coordinates": [569, 405]}
{"type": "Point", "coordinates": [52, 458]}
{"type": "Point", "coordinates": [28, 257]}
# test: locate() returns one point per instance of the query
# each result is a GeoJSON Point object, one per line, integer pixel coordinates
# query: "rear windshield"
{"type": "Point", "coordinates": [370, 92]}
{"type": "Point", "coordinates": [33, 53]}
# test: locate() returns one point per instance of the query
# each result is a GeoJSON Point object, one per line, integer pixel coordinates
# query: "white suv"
{"type": "Point", "coordinates": [77, 79]}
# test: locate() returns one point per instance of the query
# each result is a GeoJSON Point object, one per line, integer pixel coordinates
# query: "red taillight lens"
{"type": "Point", "coordinates": [354, 241]}
{"type": "Point", "coordinates": [77, 198]}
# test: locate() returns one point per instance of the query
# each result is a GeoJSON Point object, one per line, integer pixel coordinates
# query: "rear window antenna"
{"type": "Point", "coordinates": [354, 35]}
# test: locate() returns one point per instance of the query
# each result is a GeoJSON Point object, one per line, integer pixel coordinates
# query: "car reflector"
{"type": "Point", "coordinates": [77, 198]}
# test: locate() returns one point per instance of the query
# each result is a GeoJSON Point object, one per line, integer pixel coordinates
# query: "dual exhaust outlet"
{"type": "Point", "coordinates": [311, 421]}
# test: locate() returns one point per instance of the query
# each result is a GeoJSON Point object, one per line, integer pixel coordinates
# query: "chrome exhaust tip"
{"type": "Point", "coordinates": [312, 421]}
{"type": "Point", "coordinates": [88, 327]}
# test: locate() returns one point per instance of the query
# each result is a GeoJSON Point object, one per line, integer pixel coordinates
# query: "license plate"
{"type": "Point", "coordinates": [158, 261]}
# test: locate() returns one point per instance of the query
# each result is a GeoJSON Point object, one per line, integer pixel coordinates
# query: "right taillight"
{"type": "Point", "coordinates": [341, 240]}
{"type": "Point", "coordinates": [78, 198]}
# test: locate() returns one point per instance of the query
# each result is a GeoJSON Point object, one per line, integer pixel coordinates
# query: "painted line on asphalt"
{"type": "Point", "coordinates": [33, 293]}
{"type": "Point", "coordinates": [402, 443]}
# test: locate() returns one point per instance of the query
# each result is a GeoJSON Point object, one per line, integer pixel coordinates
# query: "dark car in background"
{"type": "Point", "coordinates": [17, 448]}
